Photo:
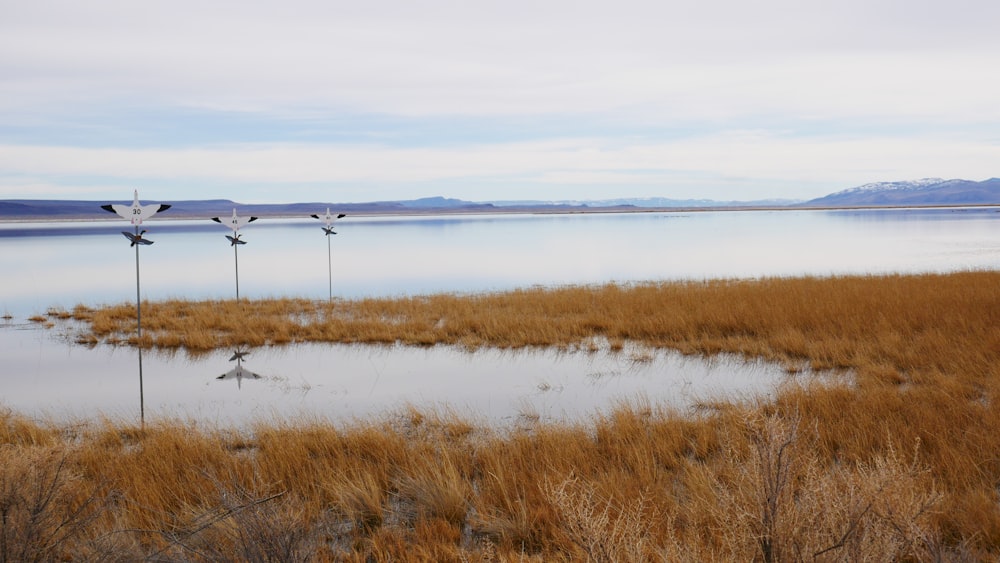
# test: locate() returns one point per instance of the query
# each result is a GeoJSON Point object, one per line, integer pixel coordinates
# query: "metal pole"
{"type": "Point", "coordinates": [138, 323]}
{"type": "Point", "coordinates": [236, 255]}
{"type": "Point", "coordinates": [329, 266]}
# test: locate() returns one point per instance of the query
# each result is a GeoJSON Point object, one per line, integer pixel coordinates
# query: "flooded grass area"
{"type": "Point", "coordinates": [899, 463]}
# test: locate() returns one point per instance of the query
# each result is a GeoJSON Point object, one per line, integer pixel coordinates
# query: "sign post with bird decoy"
{"type": "Point", "coordinates": [234, 223]}
{"type": "Point", "coordinates": [328, 219]}
{"type": "Point", "coordinates": [136, 213]}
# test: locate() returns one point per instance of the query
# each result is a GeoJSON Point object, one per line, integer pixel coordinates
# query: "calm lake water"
{"type": "Point", "coordinates": [63, 264]}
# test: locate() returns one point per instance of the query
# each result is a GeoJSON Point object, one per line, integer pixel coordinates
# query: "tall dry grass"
{"type": "Point", "coordinates": [900, 464]}
{"type": "Point", "coordinates": [409, 487]}
{"type": "Point", "coordinates": [887, 326]}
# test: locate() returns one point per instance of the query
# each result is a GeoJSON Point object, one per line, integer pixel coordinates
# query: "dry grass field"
{"type": "Point", "coordinates": [900, 463]}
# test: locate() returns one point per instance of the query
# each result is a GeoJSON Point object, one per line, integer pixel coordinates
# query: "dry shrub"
{"type": "Point", "coordinates": [46, 508]}
{"type": "Point", "coordinates": [772, 499]}
{"type": "Point", "coordinates": [604, 531]}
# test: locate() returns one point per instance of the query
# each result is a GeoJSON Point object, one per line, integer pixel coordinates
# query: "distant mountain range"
{"type": "Point", "coordinates": [928, 191]}
{"type": "Point", "coordinates": [654, 202]}
{"type": "Point", "coordinates": [925, 192]}
{"type": "Point", "coordinates": [84, 209]}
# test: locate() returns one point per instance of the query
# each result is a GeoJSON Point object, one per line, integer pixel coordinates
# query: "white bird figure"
{"type": "Point", "coordinates": [239, 372]}
{"type": "Point", "coordinates": [235, 222]}
{"type": "Point", "coordinates": [328, 219]}
{"type": "Point", "coordinates": [136, 213]}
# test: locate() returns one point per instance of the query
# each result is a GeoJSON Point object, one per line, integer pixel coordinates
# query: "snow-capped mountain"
{"type": "Point", "coordinates": [926, 191]}
{"type": "Point", "coordinates": [888, 186]}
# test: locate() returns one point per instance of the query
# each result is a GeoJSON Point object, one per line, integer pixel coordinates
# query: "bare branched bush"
{"type": "Point", "coordinates": [879, 510]}
{"type": "Point", "coordinates": [604, 531]}
{"type": "Point", "coordinates": [776, 502]}
{"type": "Point", "coordinates": [45, 508]}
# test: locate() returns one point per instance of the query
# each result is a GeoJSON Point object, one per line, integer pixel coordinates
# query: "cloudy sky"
{"type": "Point", "coordinates": [351, 101]}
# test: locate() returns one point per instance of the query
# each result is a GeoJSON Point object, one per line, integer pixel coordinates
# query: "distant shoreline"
{"type": "Point", "coordinates": [512, 210]}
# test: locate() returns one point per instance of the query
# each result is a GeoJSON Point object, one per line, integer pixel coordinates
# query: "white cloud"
{"type": "Point", "coordinates": [714, 69]}
{"type": "Point", "coordinates": [717, 59]}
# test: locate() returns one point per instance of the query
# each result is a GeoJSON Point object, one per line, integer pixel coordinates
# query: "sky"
{"type": "Point", "coordinates": [482, 100]}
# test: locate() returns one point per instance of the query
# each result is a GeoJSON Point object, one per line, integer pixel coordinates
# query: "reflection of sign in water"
{"type": "Point", "coordinates": [238, 372]}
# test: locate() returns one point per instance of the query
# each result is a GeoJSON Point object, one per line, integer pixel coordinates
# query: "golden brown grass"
{"type": "Point", "coordinates": [889, 326]}
{"type": "Point", "coordinates": [736, 485]}
{"type": "Point", "coordinates": [902, 464]}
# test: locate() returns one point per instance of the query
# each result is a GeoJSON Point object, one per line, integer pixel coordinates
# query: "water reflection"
{"type": "Point", "coordinates": [413, 255]}
{"type": "Point", "coordinates": [239, 372]}
{"type": "Point", "coordinates": [46, 374]}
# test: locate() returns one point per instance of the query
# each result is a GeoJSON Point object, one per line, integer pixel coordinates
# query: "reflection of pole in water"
{"type": "Point", "coordinates": [136, 213]}
{"type": "Point", "coordinates": [234, 223]}
{"type": "Point", "coordinates": [142, 400]}
{"type": "Point", "coordinates": [328, 219]}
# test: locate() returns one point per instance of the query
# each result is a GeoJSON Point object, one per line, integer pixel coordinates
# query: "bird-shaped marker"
{"type": "Point", "coordinates": [329, 218]}
{"type": "Point", "coordinates": [136, 212]}
{"type": "Point", "coordinates": [235, 222]}
{"type": "Point", "coordinates": [136, 238]}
